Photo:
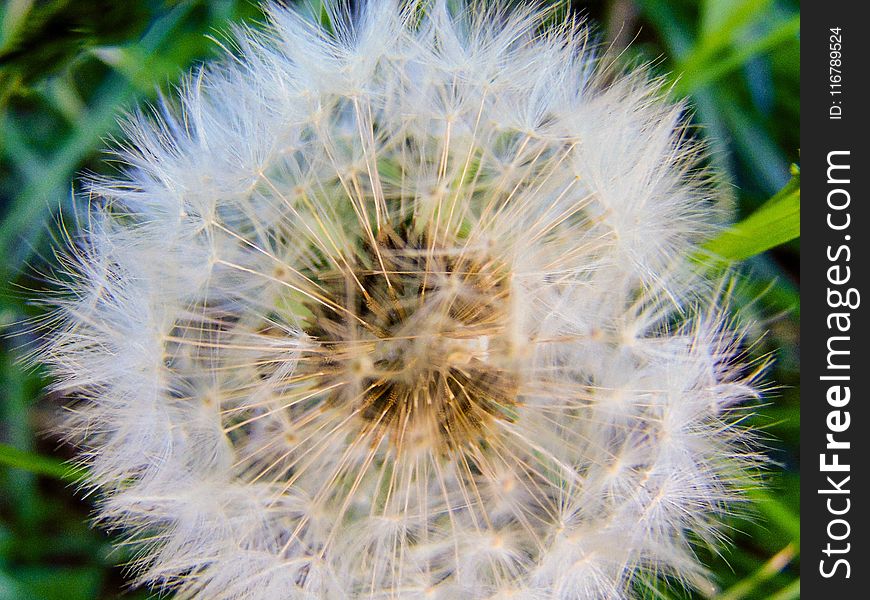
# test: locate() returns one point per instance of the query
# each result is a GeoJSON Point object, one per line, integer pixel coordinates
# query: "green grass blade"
{"type": "Point", "coordinates": [32, 202]}
{"type": "Point", "coordinates": [768, 570]}
{"type": "Point", "coordinates": [776, 222]}
{"type": "Point", "coordinates": [791, 592]}
{"type": "Point", "coordinates": [721, 26]}
{"type": "Point", "coordinates": [38, 464]}
{"type": "Point", "coordinates": [698, 75]}
{"type": "Point", "coordinates": [777, 513]}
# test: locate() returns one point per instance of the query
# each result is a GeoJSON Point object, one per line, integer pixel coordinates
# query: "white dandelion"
{"type": "Point", "coordinates": [402, 306]}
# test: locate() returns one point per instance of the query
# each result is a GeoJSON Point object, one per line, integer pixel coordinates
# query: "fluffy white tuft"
{"type": "Point", "coordinates": [403, 307]}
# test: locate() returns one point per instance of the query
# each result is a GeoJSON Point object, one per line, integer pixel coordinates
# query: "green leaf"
{"type": "Point", "coordinates": [791, 592]}
{"type": "Point", "coordinates": [33, 201]}
{"type": "Point", "coordinates": [721, 26]}
{"type": "Point", "coordinates": [58, 583]}
{"type": "Point", "coordinates": [768, 570]}
{"type": "Point", "coordinates": [776, 222]}
{"type": "Point", "coordinates": [697, 74]}
{"type": "Point", "coordinates": [776, 512]}
{"type": "Point", "coordinates": [12, 16]}
{"type": "Point", "coordinates": [41, 465]}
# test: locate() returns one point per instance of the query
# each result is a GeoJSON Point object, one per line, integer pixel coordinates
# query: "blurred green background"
{"type": "Point", "coordinates": [69, 68]}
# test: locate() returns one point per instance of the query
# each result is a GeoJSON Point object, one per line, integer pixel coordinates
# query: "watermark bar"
{"type": "Point", "coordinates": [835, 441]}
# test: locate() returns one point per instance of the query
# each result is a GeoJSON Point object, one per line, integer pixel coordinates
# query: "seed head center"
{"type": "Point", "coordinates": [413, 340]}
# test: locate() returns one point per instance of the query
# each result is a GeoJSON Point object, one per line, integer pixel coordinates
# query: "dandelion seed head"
{"type": "Point", "coordinates": [402, 307]}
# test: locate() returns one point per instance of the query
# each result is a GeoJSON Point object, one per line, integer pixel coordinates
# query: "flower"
{"type": "Point", "coordinates": [400, 303]}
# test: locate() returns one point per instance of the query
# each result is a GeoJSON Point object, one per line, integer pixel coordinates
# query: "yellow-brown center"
{"type": "Point", "coordinates": [413, 340]}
